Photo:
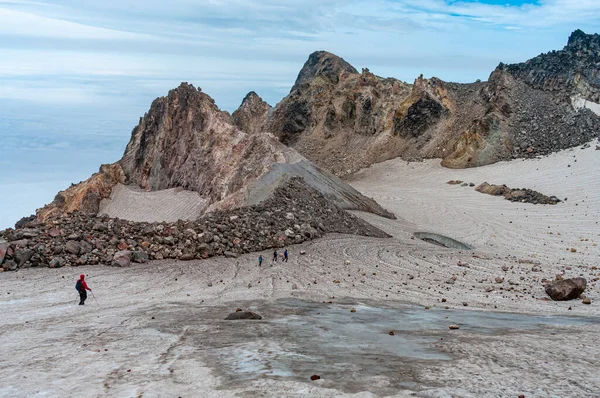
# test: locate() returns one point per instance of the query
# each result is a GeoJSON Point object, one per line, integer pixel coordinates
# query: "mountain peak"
{"type": "Point", "coordinates": [251, 114]}
{"type": "Point", "coordinates": [323, 64]}
{"type": "Point", "coordinates": [580, 39]}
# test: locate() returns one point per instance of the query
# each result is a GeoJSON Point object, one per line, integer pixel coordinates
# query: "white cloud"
{"type": "Point", "coordinates": [18, 23]}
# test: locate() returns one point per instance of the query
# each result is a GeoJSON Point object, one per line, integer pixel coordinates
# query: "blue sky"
{"type": "Point", "coordinates": [75, 75]}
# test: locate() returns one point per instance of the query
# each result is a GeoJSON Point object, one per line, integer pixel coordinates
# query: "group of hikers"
{"type": "Point", "coordinates": [82, 287]}
{"type": "Point", "coordinates": [275, 256]}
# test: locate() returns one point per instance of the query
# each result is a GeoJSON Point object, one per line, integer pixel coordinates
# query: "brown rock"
{"type": "Point", "coordinates": [73, 247]}
{"type": "Point", "coordinates": [239, 315]}
{"type": "Point", "coordinates": [121, 259]}
{"type": "Point", "coordinates": [315, 377]}
{"type": "Point", "coordinates": [3, 249]}
{"type": "Point", "coordinates": [122, 245]}
{"type": "Point", "coordinates": [566, 289]}
{"type": "Point", "coordinates": [587, 300]}
{"type": "Point", "coordinates": [454, 327]}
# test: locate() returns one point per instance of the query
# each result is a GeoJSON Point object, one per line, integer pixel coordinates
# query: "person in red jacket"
{"type": "Point", "coordinates": [82, 287]}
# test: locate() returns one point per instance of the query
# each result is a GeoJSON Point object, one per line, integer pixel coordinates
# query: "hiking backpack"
{"type": "Point", "coordinates": [78, 285]}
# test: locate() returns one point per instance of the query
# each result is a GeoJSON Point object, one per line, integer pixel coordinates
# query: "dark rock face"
{"type": "Point", "coordinates": [238, 315]}
{"type": "Point", "coordinates": [566, 289]}
{"type": "Point", "coordinates": [294, 213]}
{"type": "Point", "coordinates": [24, 221]}
{"type": "Point", "coordinates": [419, 117]}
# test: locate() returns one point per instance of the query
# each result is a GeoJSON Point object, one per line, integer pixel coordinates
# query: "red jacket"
{"type": "Point", "coordinates": [84, 285]}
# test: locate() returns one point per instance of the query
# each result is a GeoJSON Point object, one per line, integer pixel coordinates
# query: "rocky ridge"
{"type": "Point", "coordinates": [293, 214]}
{"type": "Point", "coordinates": [185, 141]}
{"type": "Point", "coordinates": [344, 120]}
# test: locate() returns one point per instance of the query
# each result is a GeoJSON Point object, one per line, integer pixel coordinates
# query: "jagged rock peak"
{"type": "Point", "coordinates": [251, 97]}
{"type": "Point", "coordinates": [580, 39]}
{"type": "Point", "coordinates": [251, 114]}
{"type": "Point", "coordinates": [323, 64]}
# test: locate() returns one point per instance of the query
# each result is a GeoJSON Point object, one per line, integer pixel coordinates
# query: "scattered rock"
{"type": "Point", "coordinates": [587, 300]}
{"type": "Point", "coordinates": [454, 327]}
{"type": "Point", "coordinates": [315, 377]}
{"type": "Point", "coordinates": [499, 279]}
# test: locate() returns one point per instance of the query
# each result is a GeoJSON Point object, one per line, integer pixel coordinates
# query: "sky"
{"type": "Point", "coordinates": [76, 75]}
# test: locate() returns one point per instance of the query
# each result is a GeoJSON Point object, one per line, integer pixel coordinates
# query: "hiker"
{"type": "Point", "coordinates": [81, 287]}
{"type": "Point", "coordinates": [285, 255]}
{"type": "Point", "coordinates": [275, 256]}
{"type": "Point", "coordinates": [260, 260]}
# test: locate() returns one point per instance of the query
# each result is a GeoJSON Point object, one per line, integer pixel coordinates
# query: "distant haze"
{"type": "Point", "coordinates": [75, 76]}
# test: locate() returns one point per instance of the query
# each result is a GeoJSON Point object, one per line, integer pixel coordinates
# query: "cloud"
{"type": "Point", "coordinates": [542, 14]}
{"type": "Point", "coordinates": [18, 23]}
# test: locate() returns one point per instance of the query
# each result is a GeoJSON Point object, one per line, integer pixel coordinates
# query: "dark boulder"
{"type": "Point", "coordinates": [242, 315]}
{"type": "Point", "coordinates": [24, 221]}
{"type": "Point", "coordinates": [566, 289]}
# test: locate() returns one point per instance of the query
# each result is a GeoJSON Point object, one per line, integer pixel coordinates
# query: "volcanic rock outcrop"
{"type": "Point", "coordinates": [185, 143]}
{"type": "Point", "coordinates": [344, 120]}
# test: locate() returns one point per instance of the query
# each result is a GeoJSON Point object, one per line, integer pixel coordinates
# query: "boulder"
{"type": "Point", "coordinates": [73, 247]}
{"type": "Point", "coordinates": [139, 256]}
{"type": "Point", "coordinates": [242, 315]}
{"type": "Point", "coordinates": [27, 233]}
{"type": "Point", "coordinates": [566, 289]}
{"type": "Point", "coordinates": [54, 232]}
{"type": "Point", "coordinates": [3, 248]}
{"type": "Point", "coordinates": [121, 259]}
{"type": "Point", "coordinates": [231, 254]}
{"type": "Point", "coordinates": [22, 256]}
{"type": "Point", "coordinates": [10, 265]}
{"type": "Point", "coordinates": [56, 262]}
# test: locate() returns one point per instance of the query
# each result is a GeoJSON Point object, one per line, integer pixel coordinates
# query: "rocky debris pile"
{"type": "Point", "coordinates": [293, 214]}
{"type": "Point", "coordinates": [566, 289]}
{"type": "Point", "coordinates": [517, 195]}
{"type": "Point", "coordinates": [539, 121]}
